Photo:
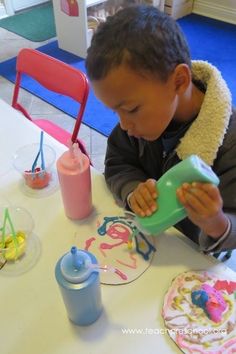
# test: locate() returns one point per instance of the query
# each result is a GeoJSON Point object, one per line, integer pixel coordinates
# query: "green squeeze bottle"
{"type": "Point", "coordinates": [170, 210]}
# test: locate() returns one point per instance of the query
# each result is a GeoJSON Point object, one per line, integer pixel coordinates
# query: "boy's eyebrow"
{"type": "Point", "coordinates": [122, 103]}
{"type": "Point", "coordinates": [118, 105]}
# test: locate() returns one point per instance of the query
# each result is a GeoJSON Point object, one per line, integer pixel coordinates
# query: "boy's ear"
{"type": "Point", "coordinates": [182, 78]}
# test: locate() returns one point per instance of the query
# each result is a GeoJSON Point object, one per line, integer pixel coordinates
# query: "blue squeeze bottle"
{"type": "Point", "coordinates": [80, 287]}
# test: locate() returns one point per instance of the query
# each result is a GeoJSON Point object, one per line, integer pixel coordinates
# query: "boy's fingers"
{"type": "Point", "coordinates": [144, 201]}
{"type": "Point", "coordinates": [146, 190]}
{"type": "Point", "coordinates": [209, 195]}
{"type": "Point", "coordinates": [135, 207]}
{"type": "Point", "coordinates": [180, 195]}
{"type": "Point", "coordinates": [199, 201]}
{"type": "Point", "coordinates": [140, 208]}
{"type": "Point", "coordinates": [185, 186]}
{"type": "Point", "coordinates": [151, 186]}
{"type": "Point", "coordinates": [211, 189]}
{"type": "Point", "coordinates": [201, 195]}
{"type": "Point", "coordinates": [202, 190]}
{"type": "Point", "coordinates": [195, 204]}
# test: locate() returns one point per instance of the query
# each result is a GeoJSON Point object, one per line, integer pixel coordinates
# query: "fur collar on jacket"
{"type": "Point", "coordinates": [206, 133]}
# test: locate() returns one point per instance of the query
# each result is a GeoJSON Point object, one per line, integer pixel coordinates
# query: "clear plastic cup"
{"type": "Point", "coordinates": [23, 160]}
{"type": "Point", "coordinates": [13, 244]}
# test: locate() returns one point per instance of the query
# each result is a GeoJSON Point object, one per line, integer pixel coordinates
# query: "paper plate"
{"type": "Point", "coordinates": [189, 325]}
{"type": "Point", "coordinates": [107, 237]}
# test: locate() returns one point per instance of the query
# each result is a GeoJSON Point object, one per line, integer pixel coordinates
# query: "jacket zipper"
{"type": "Point", "coordinates": [167, 158]}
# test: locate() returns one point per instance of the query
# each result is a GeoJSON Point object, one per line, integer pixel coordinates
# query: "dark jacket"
{"type": "Point", "coordinates": [211, 136]}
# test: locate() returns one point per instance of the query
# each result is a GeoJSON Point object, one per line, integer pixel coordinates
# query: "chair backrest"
{"type": "Point", "coordinates": [56, 76]}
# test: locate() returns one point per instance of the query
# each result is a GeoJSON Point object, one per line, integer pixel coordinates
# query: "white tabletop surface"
{"type": "Point", "coordinates": [33, 316]}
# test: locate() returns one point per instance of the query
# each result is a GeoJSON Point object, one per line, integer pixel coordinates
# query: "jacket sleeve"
{"type": "Point", "coordinates": [123, 171]}
{"type": "Point", "coordinates": [227, 242]}
{"type": "Point", "coordinates": [225, 168]}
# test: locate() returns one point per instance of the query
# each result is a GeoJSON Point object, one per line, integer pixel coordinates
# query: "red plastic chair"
{"type": "Point", "coordinates": [56, 76]}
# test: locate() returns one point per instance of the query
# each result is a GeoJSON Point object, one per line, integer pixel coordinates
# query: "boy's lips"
{"type": "Point", "coordinates": [137, 136]}
{"type": "Point", "coordinates": [145, 137]}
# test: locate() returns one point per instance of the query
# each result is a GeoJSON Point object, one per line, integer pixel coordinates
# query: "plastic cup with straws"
{"type": "Point", "coordinates": [41, 158]}
{"type": "Point", "coordinates": [16, 225]}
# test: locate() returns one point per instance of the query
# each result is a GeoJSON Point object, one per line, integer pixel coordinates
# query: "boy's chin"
{"type": "Point", "coordinates": [147, 138]}
{"type": "Point", "coordinates": [150, 138]}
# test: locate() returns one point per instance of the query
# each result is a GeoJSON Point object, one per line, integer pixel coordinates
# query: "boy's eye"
{"type": "Point", "coordinates": [134, 110]}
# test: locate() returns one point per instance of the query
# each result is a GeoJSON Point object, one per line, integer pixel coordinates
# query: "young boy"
{"type": "Point", "coordinates": [169, 108]}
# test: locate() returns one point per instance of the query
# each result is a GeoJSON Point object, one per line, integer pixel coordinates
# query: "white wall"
{"type": "Point", "coordinates": [228, 3]}
{"type": "Point", "coordinates": [16, 5]}
{"type": "Point", "coordinates": [222, 10]}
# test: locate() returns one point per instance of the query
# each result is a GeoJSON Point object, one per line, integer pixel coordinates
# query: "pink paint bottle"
{"type": "Point", "coordinates": [73, 168]}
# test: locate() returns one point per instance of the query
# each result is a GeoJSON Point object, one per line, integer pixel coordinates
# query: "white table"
{"type": "Point", "coordinates": [33, 317]}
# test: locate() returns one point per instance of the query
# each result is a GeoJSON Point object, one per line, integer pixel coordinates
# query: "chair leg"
{"type": "Point", "coordinates": [216, 254]}
{"type": "Point", "coordinates": [225, 257]}
{"type": "Point", "coordinates": [83, 149]}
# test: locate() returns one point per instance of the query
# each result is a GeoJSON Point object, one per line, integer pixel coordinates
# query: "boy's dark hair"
{"type": "Point", "coordinates": [143, 37]}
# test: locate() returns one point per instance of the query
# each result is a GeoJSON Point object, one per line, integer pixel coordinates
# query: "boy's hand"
{"type": "Point", "coordinates": [203, 204]}
{"type": "Point", "coordinates": [143, 199]}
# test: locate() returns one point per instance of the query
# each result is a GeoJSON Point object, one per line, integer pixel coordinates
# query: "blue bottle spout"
{"type": "Point", "coordinates": [77, 260]}
{"type": "Point", "coordinates": [76, 265]}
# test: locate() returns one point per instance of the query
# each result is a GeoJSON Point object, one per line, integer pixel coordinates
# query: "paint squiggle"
{"type": "Point", "coordinates": [133, 265]}
{"type": "Point", "coordinates": [121, 274]}
{"type": "Point", "coordinates": [89, 242]}
{"type": "Point", "coordinates": [116, 230]}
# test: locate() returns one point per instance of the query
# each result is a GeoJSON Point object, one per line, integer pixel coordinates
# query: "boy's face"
{"type": "Point", "coordinates": [144, 105]}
